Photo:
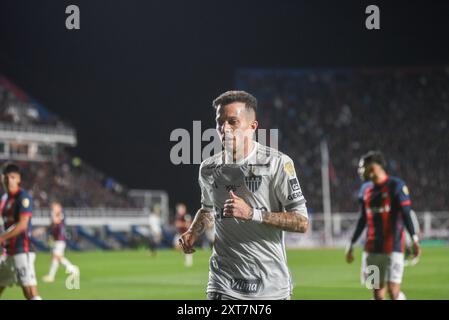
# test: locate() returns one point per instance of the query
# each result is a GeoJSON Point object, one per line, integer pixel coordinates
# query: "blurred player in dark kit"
{"type": "Point", "coordinates": [385, 211]}
{"type": "Point", "coordinates": [58, 234]}
{"type": "Point", "coordinates": [16, 209]}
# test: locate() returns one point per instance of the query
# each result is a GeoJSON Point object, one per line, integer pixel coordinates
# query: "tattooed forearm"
{"type": "Point", "coordinates": [204, 219]}
{"type": "Point", "coordinates": [289, 221]}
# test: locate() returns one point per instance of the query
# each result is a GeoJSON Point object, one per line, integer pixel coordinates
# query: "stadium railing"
{"type": "Point", "coordinates": [95, 217]}
{"type": "Point", "coordinates": [432, 225]}
{"type": "Point", "coordinates": [45, 133]}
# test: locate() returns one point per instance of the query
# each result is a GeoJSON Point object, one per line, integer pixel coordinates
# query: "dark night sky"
{"type": "Point", "coordinates": [139, 69]}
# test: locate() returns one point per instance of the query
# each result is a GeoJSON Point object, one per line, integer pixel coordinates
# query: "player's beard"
{"type": "Point", "coordinates": [229, 142]}
{"type": "Point", "coordinates": [235, 147]}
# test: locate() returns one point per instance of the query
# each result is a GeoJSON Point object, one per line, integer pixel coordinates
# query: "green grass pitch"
{"type": "Point", "coordinates": [317, 274]}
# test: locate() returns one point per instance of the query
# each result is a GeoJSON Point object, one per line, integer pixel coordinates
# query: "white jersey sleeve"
{"type": "Point", "coordinates": [207, 202]}
{"type": "Point", "coordinates": [287, 188]}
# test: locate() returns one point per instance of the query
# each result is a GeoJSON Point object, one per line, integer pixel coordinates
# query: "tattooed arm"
{"type": "Point", "coordinates": [293, 221]}
{"type": "Point", "coordinates": [204, 219]}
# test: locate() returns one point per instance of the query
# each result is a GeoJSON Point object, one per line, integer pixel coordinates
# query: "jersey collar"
{"type": "Point", "coordinates": [13, 194]}
{"type": "Point", "coordinates": [251, 154]}
{"type": "Point", "coordinates": [243, 160]}
{"type": "Point", "coordinates": [380, 183]}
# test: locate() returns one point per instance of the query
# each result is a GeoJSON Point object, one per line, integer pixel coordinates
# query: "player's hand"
{"type": "Point", "coordinates": [187, 240]}
{"type": "Point", "coordinates": [349, 255]}
{"type": "Point", "coordinates": [237, 207]}
{"type": "Point", "coordinates": [416, 249]}
{"type": "Point", "coordinates": [1, 241]}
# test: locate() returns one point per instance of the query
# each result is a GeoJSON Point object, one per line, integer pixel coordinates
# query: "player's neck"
{"type": "Point", "coordinates": [381, 179]}
{"type": "Point", "coordinates": [248, 148]}
{"type": "Point", "coordinates": [13, 191]}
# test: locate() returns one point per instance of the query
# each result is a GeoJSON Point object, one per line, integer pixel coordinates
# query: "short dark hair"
{"type": "Point", "coordinates": [11, 167]}
{"type": "Point", "coordinates": [374, 156]}
{"type": "Point", "coordinates": [236, 96]}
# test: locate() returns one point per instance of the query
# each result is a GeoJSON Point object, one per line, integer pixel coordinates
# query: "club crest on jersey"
{"type": "Point", "coordinates": [253, 182]}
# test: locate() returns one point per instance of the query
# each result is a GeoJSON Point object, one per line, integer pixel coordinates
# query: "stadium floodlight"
{"type": "Point", "coordinates": [326, 192]}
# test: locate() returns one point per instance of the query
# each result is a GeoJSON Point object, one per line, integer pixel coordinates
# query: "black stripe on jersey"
{"type": "Point", "coordinates": [269, 151]}
{"type": "Point", "coordinates": [378, 229]}
{"type": "Point", "coordinates": [295, 204]}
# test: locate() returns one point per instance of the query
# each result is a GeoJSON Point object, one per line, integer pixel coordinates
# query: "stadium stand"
{"type": "Point", "coordinates": [49, 171]}
{"type": "Point", "coordinates": [100, 212]}
{"type": "Point", "coordinates": [402, 111]}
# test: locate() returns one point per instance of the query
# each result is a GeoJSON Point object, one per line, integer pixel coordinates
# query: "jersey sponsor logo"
{"type": "Point", "coordinates": [253, 182]}
{"type": "Point", "coordinates": [246, 286]}
{"type": "Point", "coordinates": [295, 195]}
{"type": "Point", "coordinates": [290, 169]}
{"type": "Point", "coordinates": [232, 187]}
{"type": "Point", "coordinates": [383, 209]}
{"type": "Point", "coordinates": [294, 184]}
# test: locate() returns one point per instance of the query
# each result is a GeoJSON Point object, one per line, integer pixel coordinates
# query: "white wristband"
{"type": "Point", "coordinates": [257, 215]}
{"type": "Point", "coordinates": [415, 238]}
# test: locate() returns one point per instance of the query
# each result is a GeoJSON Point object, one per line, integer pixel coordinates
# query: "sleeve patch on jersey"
{"type": "Point", "coordinates": [406, 203]}
{"type": "Point", "coordinates": [25, 202]}
{"type": "Point", "coordinates": [405, 190]}
{"type": "Point", "coordinates": [294, 184]}
{"type": "Point", "coordinates": [295, 204]}
{"type": "Point", "coordinates": [294, 195]}
{"type": "Point", "coordinates": [290, 169]}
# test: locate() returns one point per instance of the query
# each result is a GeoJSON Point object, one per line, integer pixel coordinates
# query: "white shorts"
{"type": "Point", "coordinates": [59, 248]}
{"type": "Point", "coordinates": [390, 267]}
{"type": "Point", "coordinates": [18, 269]}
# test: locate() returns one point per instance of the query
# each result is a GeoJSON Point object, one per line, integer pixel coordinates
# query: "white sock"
{"type": "Point", "coordinates": [36, 298]}
{"type": "Point", "coordinates": [66, 263]}
{"type": "Point", "coordinates": [401, 296]}
{"type": "Point", "coordinates": [189, 259]}
{"type": "Point", "coordinates": [53, 268]}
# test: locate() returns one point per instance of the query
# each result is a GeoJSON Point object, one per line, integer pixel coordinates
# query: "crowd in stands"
{"type": "Point", "coordinates": [73, 183]}
{"type": "Point", "coordinates": [404, 112]}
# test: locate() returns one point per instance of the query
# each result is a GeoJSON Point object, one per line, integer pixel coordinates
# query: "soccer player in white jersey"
{"type": "Point", "coordinates": [252, 194]}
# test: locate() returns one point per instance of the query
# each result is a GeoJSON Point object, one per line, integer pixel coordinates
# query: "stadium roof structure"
{"type": "Point", "coordinates": [49, 128]}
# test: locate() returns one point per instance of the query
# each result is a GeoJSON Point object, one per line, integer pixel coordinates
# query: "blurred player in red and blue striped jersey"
{"type": "Point", "coordinates": [385, 211]}
{"type": "Point", "coordinates": [16, 209]}
{"type": "Point", "coordinates": [58, 233]}
{"type": "Point", "coordinates": [183, 220]}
